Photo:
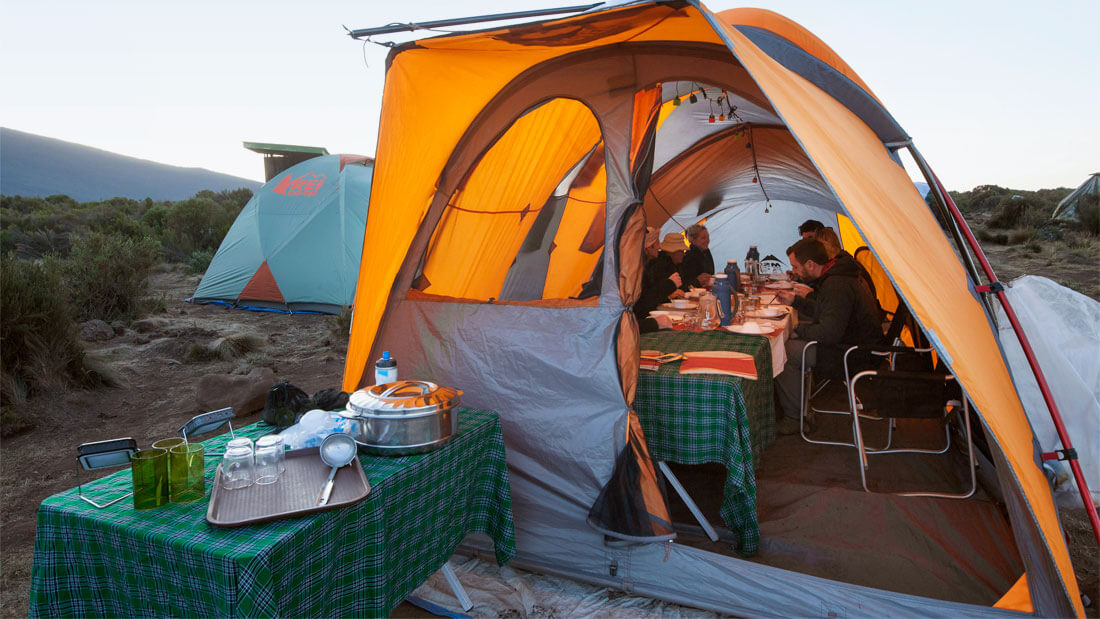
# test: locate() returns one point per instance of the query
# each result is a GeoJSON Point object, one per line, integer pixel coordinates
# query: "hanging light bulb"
{"type": "Point", "coordinates": [711, 119]}
{"type": "Point", "coordinates": [676, 102]}
{"type": "Point", "coordinates": [693, 98]}
{"type": "Point", "coordinates": [754, 179]}
{"type": "Point", "coordinates": [721, 118]}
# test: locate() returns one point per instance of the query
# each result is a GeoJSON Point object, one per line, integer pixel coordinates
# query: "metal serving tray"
{"type": "Point", "coordinates": [295, 494]}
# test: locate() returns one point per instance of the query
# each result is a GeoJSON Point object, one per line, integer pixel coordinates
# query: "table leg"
{"type": "Point", "coordinates": [687, 499]}
{"type": "Point", "coordinates": [456, 586]}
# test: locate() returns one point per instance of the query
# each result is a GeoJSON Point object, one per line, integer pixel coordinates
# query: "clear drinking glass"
{"type": "Point", "coordinates": [267, 460]}
{"type": "Point", "coordinates": [276, 441]}
{"type": "Point", "coordinates": [240, 441]}
{"type": "Point", "coordinates": [237, 466]}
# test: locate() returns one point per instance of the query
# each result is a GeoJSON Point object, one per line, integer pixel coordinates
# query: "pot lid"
{"type": "Point", "coordinates": [402, 398]}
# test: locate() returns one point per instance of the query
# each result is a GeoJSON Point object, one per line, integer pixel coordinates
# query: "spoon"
{"type": "Point", "coordinates": [337, 450]}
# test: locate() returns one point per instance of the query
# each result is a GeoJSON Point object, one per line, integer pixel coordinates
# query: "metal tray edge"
{"type": "Point", "coordinates": [214, 495]}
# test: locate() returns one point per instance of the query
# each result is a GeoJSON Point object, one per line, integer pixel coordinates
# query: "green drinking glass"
{"type": "Point", "coordinates": [186, 473]}
{"type": "Point", "coordinates": [150, 472]}
{"type": "Point", "coordinates": [168, 443]}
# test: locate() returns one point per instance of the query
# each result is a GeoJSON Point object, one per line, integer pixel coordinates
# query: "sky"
{"type": "Point", "coordinates": [992, 92]}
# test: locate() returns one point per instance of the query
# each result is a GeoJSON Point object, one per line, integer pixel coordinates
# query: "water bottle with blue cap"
{"type": "Point", "coordinates": [385, 369]}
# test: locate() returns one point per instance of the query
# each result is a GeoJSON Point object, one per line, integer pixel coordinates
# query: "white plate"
{"type": "Point", "coordinates": [751, 328]}
{"type": "Point", "coordinates": [690, 305]}
{"type": "Point", "coordinates": [781, 285]}
{"type": "Point", "coordinates": [767, 312]}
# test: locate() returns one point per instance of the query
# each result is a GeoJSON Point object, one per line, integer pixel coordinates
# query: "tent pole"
{"type": "Point", "coordinates": [409, 27]}
{"type": "Point", "coordinates": [1048, 397]}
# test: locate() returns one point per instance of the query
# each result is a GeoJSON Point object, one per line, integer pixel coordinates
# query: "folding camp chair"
{"type": "Point", "coordinates": [897, 394]}
{"type": "Point", "coordinates": [826, 380]}
{"type": "Point", "coordinates": [900, 322]}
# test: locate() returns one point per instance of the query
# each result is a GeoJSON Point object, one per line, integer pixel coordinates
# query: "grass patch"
{"type": "Point", "coordinates": [13, 422]}
{"type": "Point", "coordinates": [228, 348]}
{"type": "Point", "coordinates": [237, 345]}
{"type": "Point", "coordinates": [339, 326]}
{"type": "Point", "coordinates": [1024, 235]}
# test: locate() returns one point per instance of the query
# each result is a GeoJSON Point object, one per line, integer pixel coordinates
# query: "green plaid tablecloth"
{"type": "Point", "coordinates": [360, 560]}
{"type": "Point", "coordinates": [700, 418]}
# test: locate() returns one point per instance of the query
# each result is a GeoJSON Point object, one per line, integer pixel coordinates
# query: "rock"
{"type": "Point", "coordinates": [96, 331]}
{"type": "Point", "coordinates": [246, 394]}
{"type": "Point", "coordinates": [119, 327]}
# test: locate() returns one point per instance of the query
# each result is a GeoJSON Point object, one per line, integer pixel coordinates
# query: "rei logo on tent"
{"type": "Point", "coordinates": [306, 185]}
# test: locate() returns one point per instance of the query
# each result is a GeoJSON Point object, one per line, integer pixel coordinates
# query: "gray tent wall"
{"type": "Point", "coordinates": [1067, 208]}
{"type": "Point", "coordinates": [552, 373]}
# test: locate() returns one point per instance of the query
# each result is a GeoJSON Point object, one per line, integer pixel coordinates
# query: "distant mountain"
{"type": "Point", "coordinates": [34, 165]}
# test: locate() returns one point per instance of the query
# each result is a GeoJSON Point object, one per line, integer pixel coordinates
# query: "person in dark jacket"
{"type": "Point", "coordinates": [833, 248]}
{"type": "Point", "coordinates": [698, 266]}
{"type": "Point", "coordinates": [660, 280]}
{"type": "Point", "coordinates": [842, 313]}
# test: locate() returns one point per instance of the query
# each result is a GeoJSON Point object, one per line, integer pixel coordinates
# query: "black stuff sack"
{"type": "Point", "coordinates": [285, 404]}
{"type": "Point", "coordinates": [330, 399]}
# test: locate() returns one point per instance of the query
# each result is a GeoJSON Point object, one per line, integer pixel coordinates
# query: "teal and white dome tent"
{"type": "Point", "coordinates": [297, 244]}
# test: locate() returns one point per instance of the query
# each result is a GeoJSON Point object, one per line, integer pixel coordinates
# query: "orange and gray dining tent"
{"type": "Point", "coordinates": [517, 168]}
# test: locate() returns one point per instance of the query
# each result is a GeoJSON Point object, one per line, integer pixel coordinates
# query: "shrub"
{"type": "Point", "coordinates": [196, 224]}
{"type": "Point", "coordinates": [1088, 213]}
{"type": "Point", "coordinates": [986, 236]}
{"type": "Point", "coordinates": [157, 304]}
{"type": "Point", "coordinates": [38, 341]}
{"type": "Point", "coordinates": [1023, 235]}
{"type": "Point", "coordinates": [105, 276]}
{"type": "Point", "coordinates": [199, 261]}
{"type": "Point", "coordinates": [1019, 211]}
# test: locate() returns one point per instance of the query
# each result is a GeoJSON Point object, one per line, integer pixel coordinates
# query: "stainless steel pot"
{"type": "Point", "coordinates": [404, 417]}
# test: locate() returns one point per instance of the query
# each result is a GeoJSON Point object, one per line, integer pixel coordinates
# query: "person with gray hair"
{"type": "Point", "coordinates": [698, 266]}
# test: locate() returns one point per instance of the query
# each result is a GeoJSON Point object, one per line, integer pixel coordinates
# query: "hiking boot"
{"type": "Point", "coordinates": [787, 426]}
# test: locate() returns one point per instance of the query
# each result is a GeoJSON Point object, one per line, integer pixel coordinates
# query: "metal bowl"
{"type": "Point", "coordinates": [402, 418]}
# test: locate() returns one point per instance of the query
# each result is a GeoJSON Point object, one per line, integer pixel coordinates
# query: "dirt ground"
{"type": "Point", "coordinates": [157, 395]}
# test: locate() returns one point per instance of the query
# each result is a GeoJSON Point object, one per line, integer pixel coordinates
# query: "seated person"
{"type": "Point", "coordinates": [807, 231]}
{"type": "Point", "coordinates": [698, 266]}
{"type": "Point", "coordinates": [844, 314]}
{"type": "Point", "coordinates": [659, 282]}
{"type": "Point", "coordinates": [831, 241]}
{"type": "Point", "coordinates": [809, 227]}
